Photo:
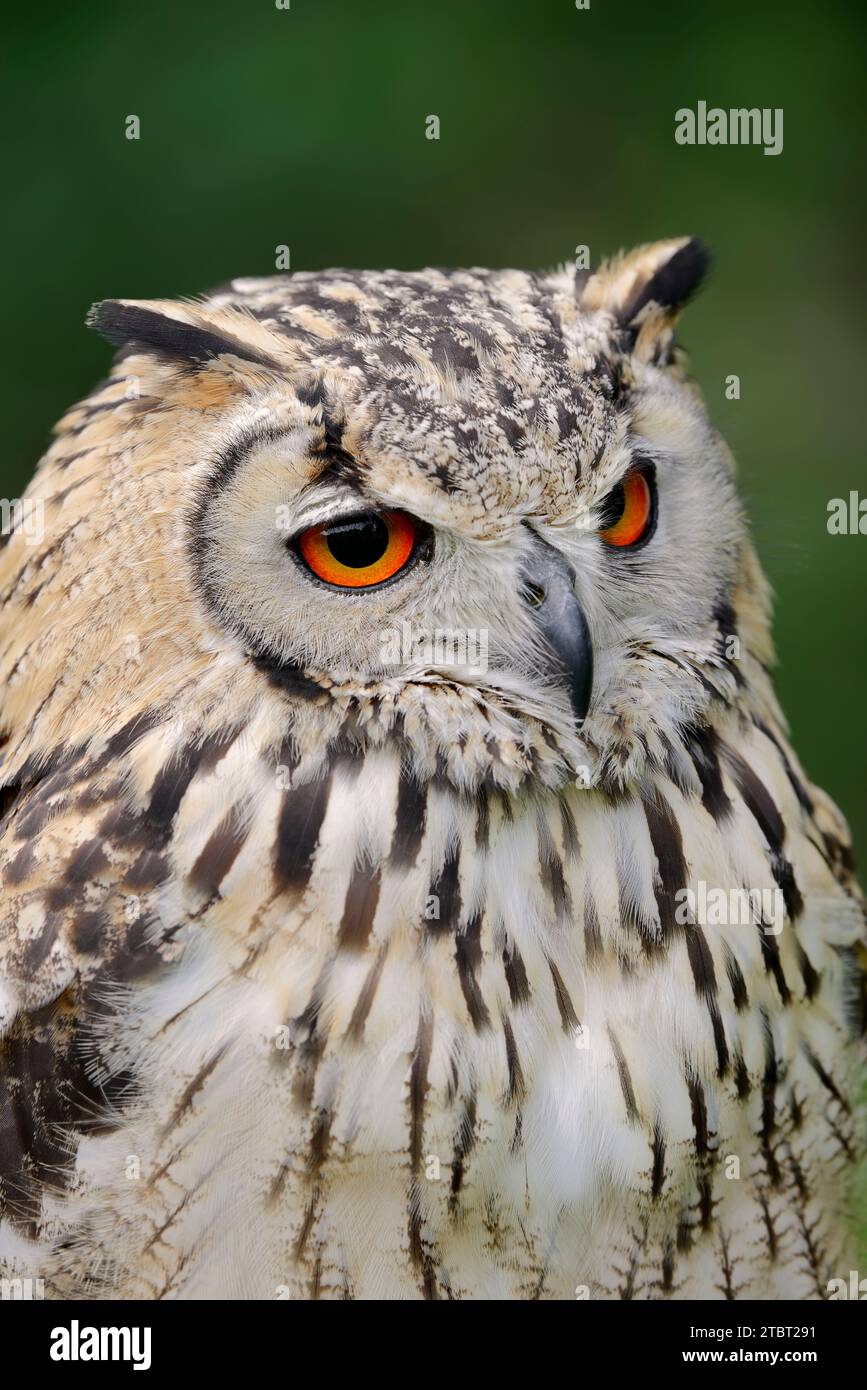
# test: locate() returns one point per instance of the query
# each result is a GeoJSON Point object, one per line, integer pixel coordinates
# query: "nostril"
{"type": "Point", "coordinates": [534, 594]}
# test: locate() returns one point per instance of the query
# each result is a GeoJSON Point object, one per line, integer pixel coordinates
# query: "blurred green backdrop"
{"type": "Point", "coordinates": [305, 127]}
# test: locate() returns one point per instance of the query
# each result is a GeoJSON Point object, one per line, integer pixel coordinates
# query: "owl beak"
{"type": "Point", "coordinates": [549, 590]}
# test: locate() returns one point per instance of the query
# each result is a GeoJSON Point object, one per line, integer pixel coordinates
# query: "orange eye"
{"type": "Point", "coordinates": [356, 552]}
{"type": "Point", "coordinates": [630, 510]}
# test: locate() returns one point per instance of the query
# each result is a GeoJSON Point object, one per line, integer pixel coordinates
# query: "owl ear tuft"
{"type": "Point", "coordinates": [159, 328]}
{"type": "Point", "coordinates": [644, 290]}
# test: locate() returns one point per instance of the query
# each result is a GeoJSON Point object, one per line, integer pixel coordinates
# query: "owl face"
{"type": "Point", "coordinates": [483, 500]}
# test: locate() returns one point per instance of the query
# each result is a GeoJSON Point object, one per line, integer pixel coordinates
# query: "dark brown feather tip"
{"type": "Point", "coordinates": [130, 324]}
{"type": "Point", "coordinates": [673, 283]}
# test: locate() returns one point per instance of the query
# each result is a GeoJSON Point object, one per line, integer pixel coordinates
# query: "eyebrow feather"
{"type": "Point", "coordinates": [125, 324]}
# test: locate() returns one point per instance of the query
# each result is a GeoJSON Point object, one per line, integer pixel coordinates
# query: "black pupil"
{"type": "Point", "coordinates": [357, 541]}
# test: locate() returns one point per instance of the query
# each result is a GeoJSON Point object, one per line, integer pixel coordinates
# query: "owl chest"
{"type": "Point", "coordinates": [408, 1079]}
{"type": "Point", "coordinates": [288, 1148]}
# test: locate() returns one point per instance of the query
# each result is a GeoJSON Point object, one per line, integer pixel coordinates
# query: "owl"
{"type": "Point", "coordinates": [409, 890]}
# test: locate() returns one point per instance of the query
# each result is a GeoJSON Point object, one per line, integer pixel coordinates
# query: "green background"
{"type": "Point", "coordinates": [262, 127]}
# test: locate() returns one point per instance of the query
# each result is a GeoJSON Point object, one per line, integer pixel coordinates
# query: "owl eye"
{"type": "Point", "coordinates": [629, 515]}
{"type": "Point", "coordinates": [360, 551]}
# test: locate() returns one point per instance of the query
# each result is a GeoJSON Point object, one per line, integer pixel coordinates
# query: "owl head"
{"type": "Point", "coordinates": [482, 512]}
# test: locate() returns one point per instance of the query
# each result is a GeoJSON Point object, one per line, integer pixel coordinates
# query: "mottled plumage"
{"type": "Point", "coordinates": [324, 977]}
